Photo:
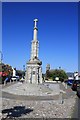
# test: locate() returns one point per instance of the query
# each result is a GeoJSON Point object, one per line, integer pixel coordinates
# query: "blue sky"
{"type": "Point", "coordinates": [57, 34]}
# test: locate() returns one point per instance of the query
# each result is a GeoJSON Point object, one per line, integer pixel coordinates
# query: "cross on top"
{"type": "Point", "coordinates": [35, 22]}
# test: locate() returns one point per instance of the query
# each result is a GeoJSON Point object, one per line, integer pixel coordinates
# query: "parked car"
{"type": "Point", "coordinates": [75, 85]}
{"type": "Point", "coordinates": [70, 82]}
{"type": "Point", "coordinates": [78, 91]}
{"type": "Point", "coordinates": [15, 78]}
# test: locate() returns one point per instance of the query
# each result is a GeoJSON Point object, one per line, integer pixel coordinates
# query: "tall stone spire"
{"type": "Point", "coordinates": [35, 29]}
{"type": "Point", "coordinates": [35, 43]}
{"type": "Point", "coordinates": [34, 69]}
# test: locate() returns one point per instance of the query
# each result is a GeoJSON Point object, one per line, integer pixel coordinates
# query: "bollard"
{"type": "Point", "coordinates": [66, 85]}
{"type": "Point", "coordinates": [61, 98]}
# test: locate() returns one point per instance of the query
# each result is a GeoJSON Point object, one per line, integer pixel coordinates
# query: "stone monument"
{"type": "Point", "coordinates": [34, 69]}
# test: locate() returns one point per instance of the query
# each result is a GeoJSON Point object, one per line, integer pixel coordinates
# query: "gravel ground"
{"type": "Point", "coordinates": [37, 109]}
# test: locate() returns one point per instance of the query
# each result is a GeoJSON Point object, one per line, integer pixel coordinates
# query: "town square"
{"type": "Point", "coordinates": [39, 73]}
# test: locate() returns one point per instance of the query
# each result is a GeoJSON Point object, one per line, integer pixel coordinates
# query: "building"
{"type": "Point", "coordinates": [34, 69]}
{"type": "Point", "coordinates": [48, 67]}
{"type": "Point", "coordinates": [76, 75]}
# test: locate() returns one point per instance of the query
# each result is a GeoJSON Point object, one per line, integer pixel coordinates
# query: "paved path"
{"type": "Point", "coordinates": [32, 89]}
{"type": "Point", "coordinates": [23, 97]}
{"type": "Point", "coordinates": [66, 95]}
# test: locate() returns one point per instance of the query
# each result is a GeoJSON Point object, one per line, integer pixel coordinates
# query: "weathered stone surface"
{"type": "Point", "coordinates": [33, 89]}
{"type": "Point", "coordinates": [34, 69]}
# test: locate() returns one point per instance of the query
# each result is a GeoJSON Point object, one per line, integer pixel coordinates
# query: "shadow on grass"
{"type": "Point", "coordinates": [16, 111]}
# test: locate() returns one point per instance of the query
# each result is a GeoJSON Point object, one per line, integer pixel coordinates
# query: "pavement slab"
{"type": "Point", "coordinates": [33, 89]}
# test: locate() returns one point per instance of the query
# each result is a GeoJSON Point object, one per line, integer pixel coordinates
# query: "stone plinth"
{"type": "Point", "coordinates": [34, 72]}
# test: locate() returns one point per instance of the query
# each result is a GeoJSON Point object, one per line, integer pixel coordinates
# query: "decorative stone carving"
{"type": "Point", "coordinates": [34, 69]}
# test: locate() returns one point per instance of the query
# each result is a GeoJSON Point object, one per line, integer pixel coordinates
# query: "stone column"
{"type": "Point", "coordinates": [40, 74]}
{"type": "Point", "coordinates": [27, 75]}
{"type": "Point", "coordinates": [34, 47]}
{"type": "Point", "coordinates": [36, 75]}
{"type": "Point", "coordinates": [31, 76]}
{"type": "Point", "coordinates": [35, 34]}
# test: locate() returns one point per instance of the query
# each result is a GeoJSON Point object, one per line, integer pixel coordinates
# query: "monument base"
{"type": "Point", "coordinates": [34, 72]}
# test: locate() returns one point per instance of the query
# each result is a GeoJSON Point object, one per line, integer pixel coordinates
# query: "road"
{"type": "Point", "coordinates": [76, 112]}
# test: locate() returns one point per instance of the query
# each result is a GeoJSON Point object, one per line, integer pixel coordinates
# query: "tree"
{"type": "Point", "coordinates": [6, 69]}
{"type": "Point", "coordinates": [61, 74]}
{"type": "Point", "coordinates": [52, 74]}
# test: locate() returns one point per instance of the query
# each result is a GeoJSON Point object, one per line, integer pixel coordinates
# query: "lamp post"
{"type": "Point", "coordinates": [24, 70]}
{"type": "Point", "coordinates": [59, 68]}
{"type": "Point", "coordinates": [23, 67]}
{"type": "Point", "coordinates": [1, 56]}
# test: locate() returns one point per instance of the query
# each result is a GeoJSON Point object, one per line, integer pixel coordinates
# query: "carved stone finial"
{"type": "Point", "coordinates": [35, 23]}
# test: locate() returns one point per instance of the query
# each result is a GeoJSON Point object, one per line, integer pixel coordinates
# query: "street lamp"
{"type": "Point", "coordinates": [59, 68]}
{"type": "Point", "coordinates": [1, 56]}
{"type": "Point", "coordinates": [24, 70]}
{"type": "Point", "coordinates": [23, 67]}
